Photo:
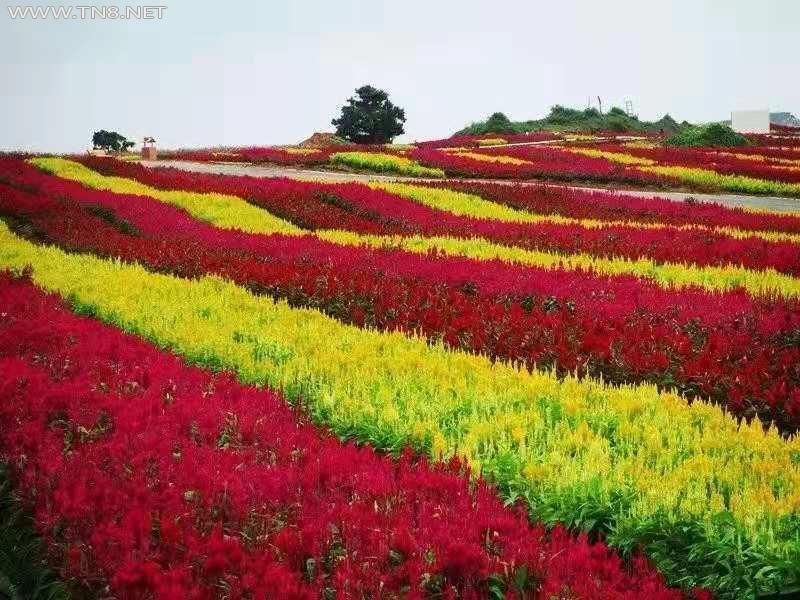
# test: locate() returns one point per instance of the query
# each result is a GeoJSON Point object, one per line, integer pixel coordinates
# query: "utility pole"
{"type": "Point", "coordinates": [629, 108]}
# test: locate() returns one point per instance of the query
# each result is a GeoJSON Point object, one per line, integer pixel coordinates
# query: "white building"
{"type": "Point", "coordinates": [750, 121]}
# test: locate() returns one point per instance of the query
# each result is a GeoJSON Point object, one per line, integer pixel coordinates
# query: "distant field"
{"type": "Point", "coordinates": [770, 166]}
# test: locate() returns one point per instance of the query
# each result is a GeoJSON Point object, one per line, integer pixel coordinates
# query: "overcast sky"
{"type": "Point", "coordinates": [233, 73]}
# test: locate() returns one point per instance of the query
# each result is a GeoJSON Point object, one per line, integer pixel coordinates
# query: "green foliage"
{"type": "Point", "coordinates": [370, 118]}
{"type": "Point", "coordinates": [667, 124]}
{"type": "Point", "coordinates": [714, 134]}
{"type": "Point", "coordinates": [24, 575]}
{"type": "Point", "coordinates": [562, 118]}
{"type": "Point", "coordinates": [111, 140]}
{"type": "Point", "coordinates": [618, 123]}
{"type": "Point", "coordinates": [736, 566]}
{"type": "Point", "coordinates": [499, 123]}
{"type": "Point", "coordinates": [563, 115]}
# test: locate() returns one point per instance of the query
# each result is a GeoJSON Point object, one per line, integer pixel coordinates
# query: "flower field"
{"type": "Point", "coordinates": [704, 169]}
{"type": "Point", "coordinates": [219, 386]}
{"type": "Point", "coordinates": [770, 166]}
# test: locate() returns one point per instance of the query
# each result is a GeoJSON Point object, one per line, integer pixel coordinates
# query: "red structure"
{"type": "Point", "coordinates": [149, 149]}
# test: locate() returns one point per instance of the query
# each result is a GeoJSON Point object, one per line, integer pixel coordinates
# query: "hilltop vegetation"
{"type": "Point", "coordinates": [562, 118]}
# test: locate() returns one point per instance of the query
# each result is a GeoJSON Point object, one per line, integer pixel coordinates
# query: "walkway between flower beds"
{"type": "Point", "coordinates": [734, 200]}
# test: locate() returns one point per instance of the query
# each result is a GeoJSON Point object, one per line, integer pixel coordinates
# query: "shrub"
{"type": "Point", "coordinates": [714, 134]}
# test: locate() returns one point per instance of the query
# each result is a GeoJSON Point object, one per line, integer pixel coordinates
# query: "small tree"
{"type": "Point", "coordinates": [370, 118]}
{"type": "Point", "coordinates": [111, 140]}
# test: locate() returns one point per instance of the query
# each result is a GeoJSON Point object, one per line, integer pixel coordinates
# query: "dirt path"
{"type": "Point", "coordinates": [734, 200]}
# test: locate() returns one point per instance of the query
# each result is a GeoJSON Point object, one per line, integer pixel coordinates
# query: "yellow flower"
{"type": "Point", "coordinates": [375, 161]}
{"type": "Point", "coordinates": [617, 157]}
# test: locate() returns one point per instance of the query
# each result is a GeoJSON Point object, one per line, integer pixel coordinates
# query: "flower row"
{"type": "Point", "coordinates": [384, 163]}
{"type": "Point", "coordinates": [279, 156]}
{"type": "Point", "coordinates": [708, 179]}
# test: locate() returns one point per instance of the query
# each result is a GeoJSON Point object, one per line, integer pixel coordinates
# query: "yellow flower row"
{"type": "Point", "coordinates": [732, 183]}
{"type": "Point", "coordinates": [668, 275]}
{"type": "Point", "coordinates": [639, 457]}
{"type": "Point", "coordinates": [460, 203]}
{"type": "Point", "coordinates": [761, 158]}
{"type": "Point", "coordinates": [224, 211]}
{"type": "Point", "coordinates": [235, 213]}
{"type": "Point", "coordinates": [302, 151]}
{"type": "Point", "coordinates": [381, 163]}
{"type": "Point", "coordinates": [492, 141]}
{"type": "Point", "coordinates": [617, 157]}
{"type": "Point", "coordinates": [579, 137]}
{"type": "Point", "coordinates": [640, 144]}
{"type": "Point", "coordinates": [470, 205]}
{"type": "Point", "coordinates": [492, 158]}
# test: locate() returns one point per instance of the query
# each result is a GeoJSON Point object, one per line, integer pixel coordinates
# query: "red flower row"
{"type": "Point", "coordinates": [780, 150]}
{"type": "Point", "coordinates": [267, 154]}
{"type": "Point", "coordinates": [784, 129]}
{"type": "Point", "coordinates": [547, 163]}
{"type": "Point", "coordinates": [171, 482]}
{"type": "Point", "coordinates": [778, 137]}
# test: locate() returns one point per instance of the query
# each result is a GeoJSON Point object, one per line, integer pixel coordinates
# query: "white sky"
{"type": "Point", "coordinates": [215, 73]}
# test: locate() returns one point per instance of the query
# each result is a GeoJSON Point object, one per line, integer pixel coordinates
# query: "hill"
{"type": "Point", "coordinates": [562, 118]}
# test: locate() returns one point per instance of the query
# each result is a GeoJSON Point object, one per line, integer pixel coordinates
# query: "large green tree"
{"type": "Point", "coordinates": [111, 140]}
{"type": "Point", "coordinates": [369, 117]}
